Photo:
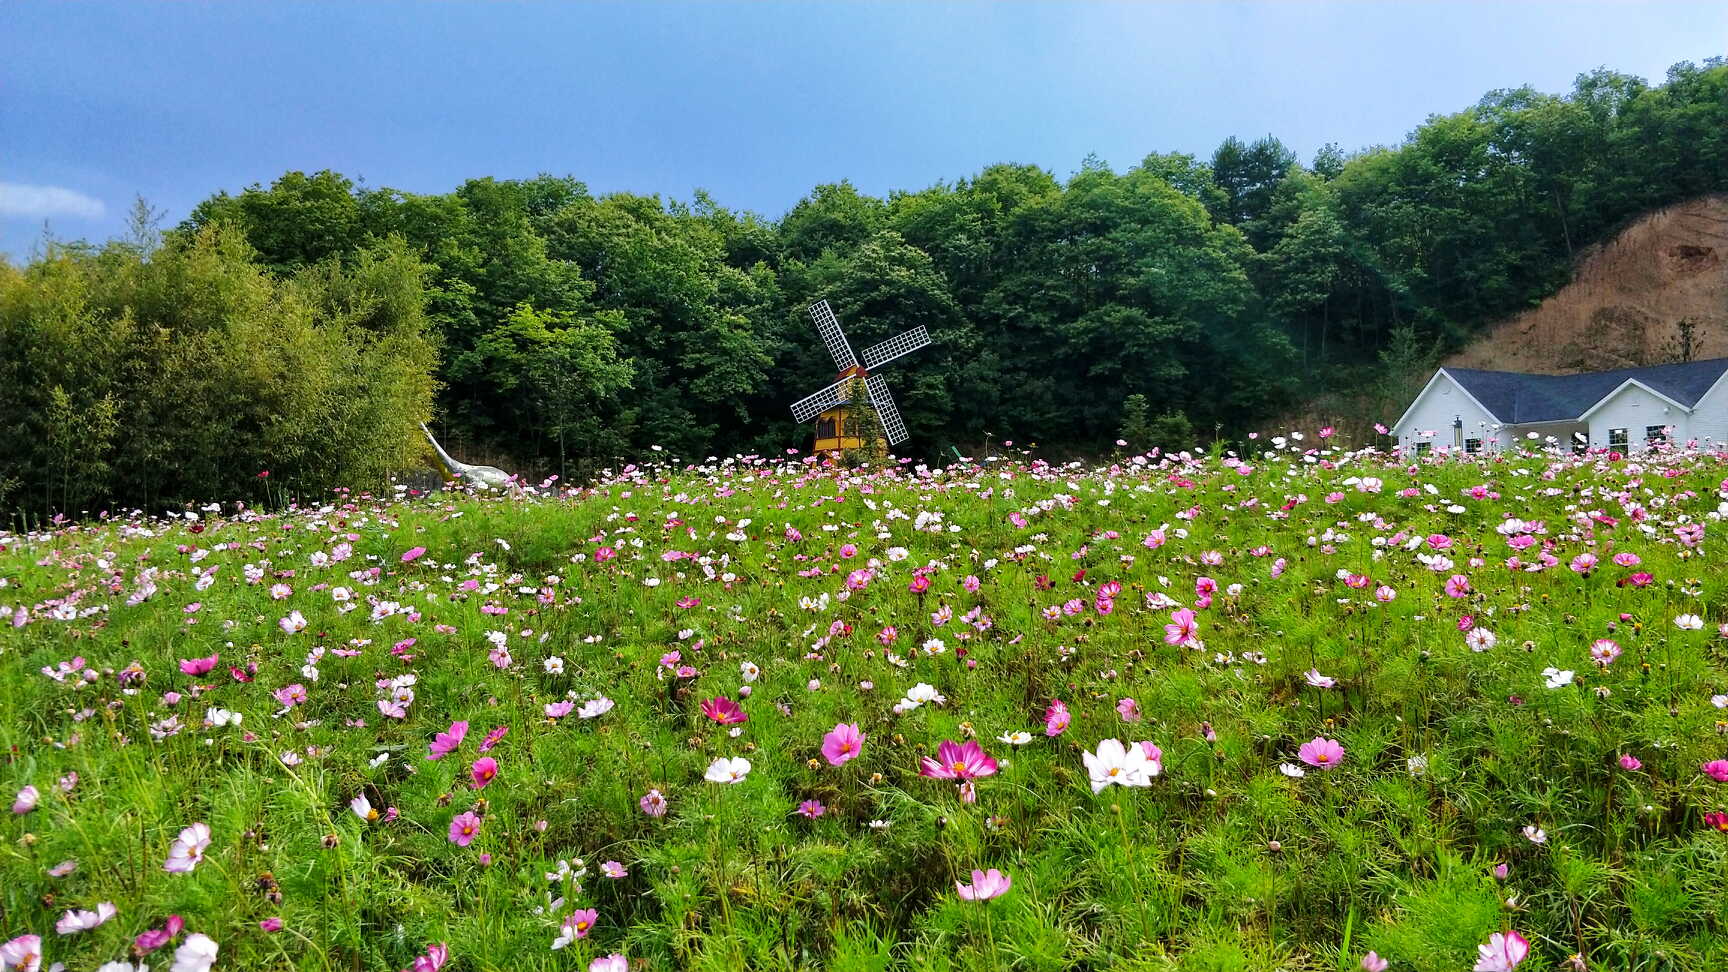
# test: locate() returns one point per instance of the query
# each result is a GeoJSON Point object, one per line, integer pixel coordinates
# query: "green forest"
{"type": "Point", "coordinates": [288, 339]}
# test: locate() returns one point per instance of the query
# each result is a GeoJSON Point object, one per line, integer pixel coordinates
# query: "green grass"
{"type": "Point", "coordinates": [1224, 862]}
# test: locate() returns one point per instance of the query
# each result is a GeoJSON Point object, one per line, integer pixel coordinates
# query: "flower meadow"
{"type": "Point", "coordinates": [1305, 708]}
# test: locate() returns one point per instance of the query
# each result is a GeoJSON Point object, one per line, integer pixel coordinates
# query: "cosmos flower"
{"type": "Point", "coordinates": [26, 800]}
{"type": "Point", "coordinates": [447, 742]}
{"type": "Point", "coordinates": [188, 849]}
{"type": "Point", "coordinates": [842, 744]}
{"type": "Point", "coordinates": [464, 827]}
{"type": "Point", "coordinates": [482, 772]}
{"type": "Point", "coordinates": [1119, 765]}
{"type": "Point", "coordinates": [985, 885]}
{"type": "Point", "coordinates": [955, 761]}
{"type": "Point", "coordinates": [653, 804]}
{"type": "Point", "coordinates": [1502, 953]}
{"type": "Point", "coordinates": [1056, 719]}
{"type": "Point", "coordinates": [576, 926]}
{"type": "Point", "coordinates": [724, 711]}
{"type": "Point", "coordinates": [1321, 752]}
{"type": "Point", "coordinates": [725, 770]}
{"type": "Point", "coordinates": [22, 954]}
{"type": "Point", "coordinates": [75, 920]}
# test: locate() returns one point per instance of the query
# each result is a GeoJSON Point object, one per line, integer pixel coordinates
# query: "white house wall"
{"type": "Point", "coordinates": [1709, 418]}
{"type": "Point", "coordinates": [1632, 408]}
{"type": "Point", "coordinates": [1436, 408]}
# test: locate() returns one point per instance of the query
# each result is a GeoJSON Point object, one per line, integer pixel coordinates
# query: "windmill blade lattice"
{"type": "Point", "coordinates": [833, 396]}
{"type": "Point", "coordinates": [828, 326]}
{"type": "Point", "coordinates": [897, 346]}
{"type": "Point", "coordinates": [893, 429]}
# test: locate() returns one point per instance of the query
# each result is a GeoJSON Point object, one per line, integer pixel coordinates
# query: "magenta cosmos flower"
{"type": "Point", "coordinates": [956, 762]}
{"type": "Point", "coordinates": [447, 742]}
{"type": "Point", "coordinates": [1502, 953]}
{"type": "Point", "coordinates": [464, 827]}
{"type": "Point", "coordinates": [1321, 752]}
{"type": "Point", "coordinates": [1716, 769]}
{"type": "Point", "coordinates": [985, 885]}
{"type": "Point", "coordinates": [724, 711]}
{"type": "Point", "coordinates": [412, 554]}
{"type": "Point", "coordinates": [484, 771]}
{"type": "Point", "coordinates": [842, 744]}
{"type": "Point", "coordinates": [1056, 718]}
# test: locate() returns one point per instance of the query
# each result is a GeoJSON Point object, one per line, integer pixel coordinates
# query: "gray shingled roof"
{"type": "Point", "coordinates": [1518, 398]}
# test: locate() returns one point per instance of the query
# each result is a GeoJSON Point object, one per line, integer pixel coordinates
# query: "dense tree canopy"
{"type": "Point", "coordinates": [573, 329]}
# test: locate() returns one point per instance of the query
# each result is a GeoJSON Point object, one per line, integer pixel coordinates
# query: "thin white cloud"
{"type": "Point", "coordinates": [37, 202]}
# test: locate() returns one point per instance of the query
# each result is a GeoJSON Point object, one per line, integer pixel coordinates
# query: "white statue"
{"type": "Point", "coordinates": [479, 477]}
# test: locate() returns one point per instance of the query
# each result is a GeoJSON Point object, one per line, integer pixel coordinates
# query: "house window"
{"type": "Point", "coordinates": [1422, 448]}
{"type": "Point", "coordinates": [1472, 446]}
{"type": "Point", "coordinates": [1619, 438]}
{"type": "Point", "coordinates": [825, 428]}
{"type": "Point", "coordinates": [1655, 433]}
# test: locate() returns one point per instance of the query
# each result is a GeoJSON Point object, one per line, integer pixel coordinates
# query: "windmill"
{"type": "Point", "coordinates": [836, 428]}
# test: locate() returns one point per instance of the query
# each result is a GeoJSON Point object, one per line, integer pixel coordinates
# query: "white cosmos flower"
{"type": "Point", "coordinates": [725, 770]}
{"type": "Point", "coordinates": [1557, 677]}
{"type": "Point", "coordinates": [1117, 764]}
{"type": "Point", "coordinates": [1017, 738]}
{"type": "Point", "coordinates": [1689, 622]}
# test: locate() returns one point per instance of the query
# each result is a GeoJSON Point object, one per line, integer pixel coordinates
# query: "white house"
{"type": "Point", "coordinates": [1628, 409]}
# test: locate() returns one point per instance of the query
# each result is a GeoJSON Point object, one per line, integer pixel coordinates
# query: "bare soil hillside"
{"type": "Point", "coordinates": [1622, 306]}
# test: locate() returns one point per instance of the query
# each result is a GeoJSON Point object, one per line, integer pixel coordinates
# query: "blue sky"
{"type": "Point", "coordinates": [755, 102]}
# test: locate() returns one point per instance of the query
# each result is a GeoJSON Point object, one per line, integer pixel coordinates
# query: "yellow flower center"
{"type": "Point", "coordinates": [958, 767]}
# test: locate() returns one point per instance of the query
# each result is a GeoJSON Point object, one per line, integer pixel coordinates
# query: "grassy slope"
{"type": "Point", "coordinates": [1223, 863]}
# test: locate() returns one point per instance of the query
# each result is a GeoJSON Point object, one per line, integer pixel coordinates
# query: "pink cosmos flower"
{"type": "Point", "coordinates": [1716, 769]}
{"type": "Point", "coordinates": [493, 738]}
{"type": "Point", "coordinates": [558, 710]}
{"type": "Point", "coordinates": [1182, 629]}
{"type": "Point", "coordinates": [1318, 680]}
{"type": "Point", "coordinates": [1056, 719]}
{"type": "Point", "coordinates": [484, 771]}
{"type": "Point", "coordinates": [985, 885]}
{"type": "Point", "coordinates": [1129, 710]}
{"type": "Point", "coordinates": [614, 870]}
{"type": "Point", "coordinates": [271, 924]}
{"type": "Point", "coordinates": [198, 666]}
{"type": "Point", "coordinates": [464, 827]}
{"type": "Point", "coordinates": [1603, 651]}
{"type": "Point", "coordinates": [724, 711]}
{"type": "Point", "coordinates": [433, 960]}
{"type": "Point", "coordinates": [22, 954]}
{"type": "Point", "coordinates": [653, 804]}
{"type": "Point", "coordinates": [26, 801]}
{"type": "Point", "coordinates": [75, 920]}
{"type": "Point", "coordinates": [291, 695]}
{"type": "Point", "coordinates": [1502, 953]}
{"type": "Point", "coordinates": [1321, 752]}
{"type": "Point", "coordinates": [958, 762]}
{"type": "Point", "coordinates": [616, 962]}
{"type": "Point", "coordinates": [155, 938]}
{"type": "Point", "coordinates": [188, 849]}
{"type": "Point", "coordinates": [1374, 963]}
{"type": "Point", "coordinates": [842, 744]}
{"type": "Point", "coordinates": [811, 809]}
{"type": "Point", "coordinates": [576, 926]}
{"type": "Point", "coordinates": [413, 554]}
{"type": "Point", "coordinates": [445, 743]}
{"type": "Point", "coordinates": [1630, 763]}
{"type": "Point", "coordinates": [1457, 586]}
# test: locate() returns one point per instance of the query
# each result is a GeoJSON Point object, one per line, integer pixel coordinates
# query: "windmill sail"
{"type": "Point", "coordinates": [894, 347]}
{"type": "Point", "coordinates": [828, 326]}
{"type": "Point", "coordinates": [833, 396]}
{"type": "Point", "coordinates": [893, 429]}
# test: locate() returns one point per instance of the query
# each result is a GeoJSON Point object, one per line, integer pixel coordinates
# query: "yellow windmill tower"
{"type": "Point", "coordinates": [838, 425]}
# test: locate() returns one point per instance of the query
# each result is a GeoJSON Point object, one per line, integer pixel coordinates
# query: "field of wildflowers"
{"type": "Point", "coordinates": [1308, 709]}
